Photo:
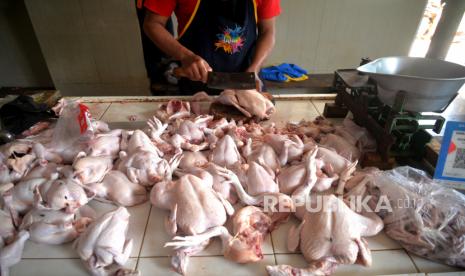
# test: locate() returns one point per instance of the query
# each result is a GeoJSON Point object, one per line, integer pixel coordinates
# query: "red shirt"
{"type": "Point", "coordinates": [184, 8]}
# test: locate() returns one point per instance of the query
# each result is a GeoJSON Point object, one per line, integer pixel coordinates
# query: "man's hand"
{"type": "Point", "coordinates": [195, 68]}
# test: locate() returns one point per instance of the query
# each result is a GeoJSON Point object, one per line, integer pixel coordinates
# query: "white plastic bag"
{"type": "Point", "coordinates": [427, 219]}
{"type": "Point", "coordinates": [73, 125]}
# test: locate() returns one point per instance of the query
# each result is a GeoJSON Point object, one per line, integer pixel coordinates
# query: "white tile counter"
{"type": "Point", "coordinates": [147, 230]}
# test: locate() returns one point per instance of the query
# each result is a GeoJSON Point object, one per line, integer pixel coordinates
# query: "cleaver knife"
{"type": "Point", "coordinates": [221, 80]}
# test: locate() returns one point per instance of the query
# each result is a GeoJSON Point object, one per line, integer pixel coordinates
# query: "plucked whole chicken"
{"type": "Point", "coordinates": [216, 178]}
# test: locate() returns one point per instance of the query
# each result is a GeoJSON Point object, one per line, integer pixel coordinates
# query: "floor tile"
{"type": "Point", "coordinates": [279, 236]}
{"type": "Point", "coordinates": [97, 109]}
{"type": "Point", "coordinates": [55, 267]}
{"type": "Point", "coordinates": [382, 263]}
{"type": "Point", "coordinates": [427, 266]}
{"type": "Point", "coordinates": [156, 237]}
{"type": "Point", "coordinates": [205, 266]}
{"type": "Point", "coordinates": [294, 111]}
{"type": "Point", "coordinates": [137, 221]}
{"type": "Point", "coordinates": [382, 242]}
{"type": "Point", "coordinates": [34, 250]}
{"type": "Point", "coordinates": [123, 112]}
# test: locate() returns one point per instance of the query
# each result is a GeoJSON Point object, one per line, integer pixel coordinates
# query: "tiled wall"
{"type": "Point", "coordinates": [92, 47]}
{"type": "Point", "coordinates": [324, 35]}
{"type": "Point", "coordinates": [21, 61]}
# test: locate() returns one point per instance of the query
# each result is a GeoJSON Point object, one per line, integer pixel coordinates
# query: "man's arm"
{"type": "Point", "coordinates": [265, 43]}
{"type": "Point", "coordinates": [194, 66]}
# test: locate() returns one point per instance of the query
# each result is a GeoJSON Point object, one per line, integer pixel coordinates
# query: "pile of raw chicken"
{"type": "Point", "coordinates": [202, 170]}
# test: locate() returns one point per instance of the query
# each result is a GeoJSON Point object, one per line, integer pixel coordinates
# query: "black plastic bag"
{"type": "Point", "coordinates": [22, 113]}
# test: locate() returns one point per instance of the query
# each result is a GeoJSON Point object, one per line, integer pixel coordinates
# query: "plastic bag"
{"type": "Point", "coordinates": [73, 125]}
{"type": "Point", "coordinates": [427, 219]}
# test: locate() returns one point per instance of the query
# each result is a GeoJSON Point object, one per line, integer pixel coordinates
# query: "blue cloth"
{"type": "Point", "coordinates": [278, 73]}
{"type": "Point", "coordinates": [272, 75]}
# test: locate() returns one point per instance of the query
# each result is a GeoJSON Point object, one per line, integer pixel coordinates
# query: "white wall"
{"type": "Point", "coordinates": [92, 47]}
{"type": "Point", "coordinates": [324, 35]}
{"type": "Point", "coordinates": [21, 61]}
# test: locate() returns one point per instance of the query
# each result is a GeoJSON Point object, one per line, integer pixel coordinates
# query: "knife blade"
{"type": "Point", "coordinates": [223, 80]}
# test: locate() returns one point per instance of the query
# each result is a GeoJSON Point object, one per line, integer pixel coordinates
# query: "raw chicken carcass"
{"type": "Point", "coordinates": [10, 254]}
{"type": "Point", "coordinates": [139, 140]}
{"type": "Point", "coordinates": [303, 174]}
{"type": "Point", "coordinates": [174, 109]}
{"type": "Point", "coordinates": [331, 234]}
{"type": "Point", "coordinates": [333, 163]}
{"type": "Point", "coordinates": [342, 146]}
{"type": "Point", "coordinates": [364, 139]}
{"type": "Point", "coordinates": [146, 167]}
{"type": "Point", "coordinates": [191, 135]}
{"type": "Point", "coordinates": [117, 188]}
{"type": "Point", "coordinates": [48, 171]}
{"type": "Point", "coordinates": [53, 227]}
{"type": "Point", "coordinates": [220, 184]}
{"type": "Point", "coordinates": [62, 194]}
{"type": "Point", "coordinates": [263, 154]}
{"type": "Point", "coordinates": [200, 103]}
{"type": "Point", "coordinates": [19, 199]}
{"type": "Point", "coordinates": [288, 149]}
{"type": "Point", "coordinates": [104, 247]}
{"type": "Point", "coordinates": [189, 193]}
{"type": "Point", "coordinates": [193, 159]}
{"type": "Point", "coordinates": [225, 152]}
{"type": "Point", "coordinates": [106, 144]}
{"type": "Point", "coordinates": [91, 169]}
{"type": "Point", "coordinates": [257, 179]}
{"type": "Point", "coordinates": [250, 226]}
{"type": "Point", "coordinates": [182, 197]}
{"type": "Point", "coordinates": [250, 102]}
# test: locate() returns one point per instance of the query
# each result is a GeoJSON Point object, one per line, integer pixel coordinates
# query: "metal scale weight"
{"type": "Point", "coordinates": [392, 97]}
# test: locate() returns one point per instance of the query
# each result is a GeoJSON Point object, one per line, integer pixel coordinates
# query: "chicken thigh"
{"type": "Point", "coordinates": [225, 152]}
{"type": "Point", "coordinates": [288, 149]}
{"type": "Point", "coordinates": [293, 177]}
{"type": "Point", "coordinates": [258, 180]}
{"type": "Point", "coordinates": [263, 154]}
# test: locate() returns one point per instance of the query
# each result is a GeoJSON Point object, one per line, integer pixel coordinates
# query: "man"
{"type": "Point", "coordinates": [213, 35]}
